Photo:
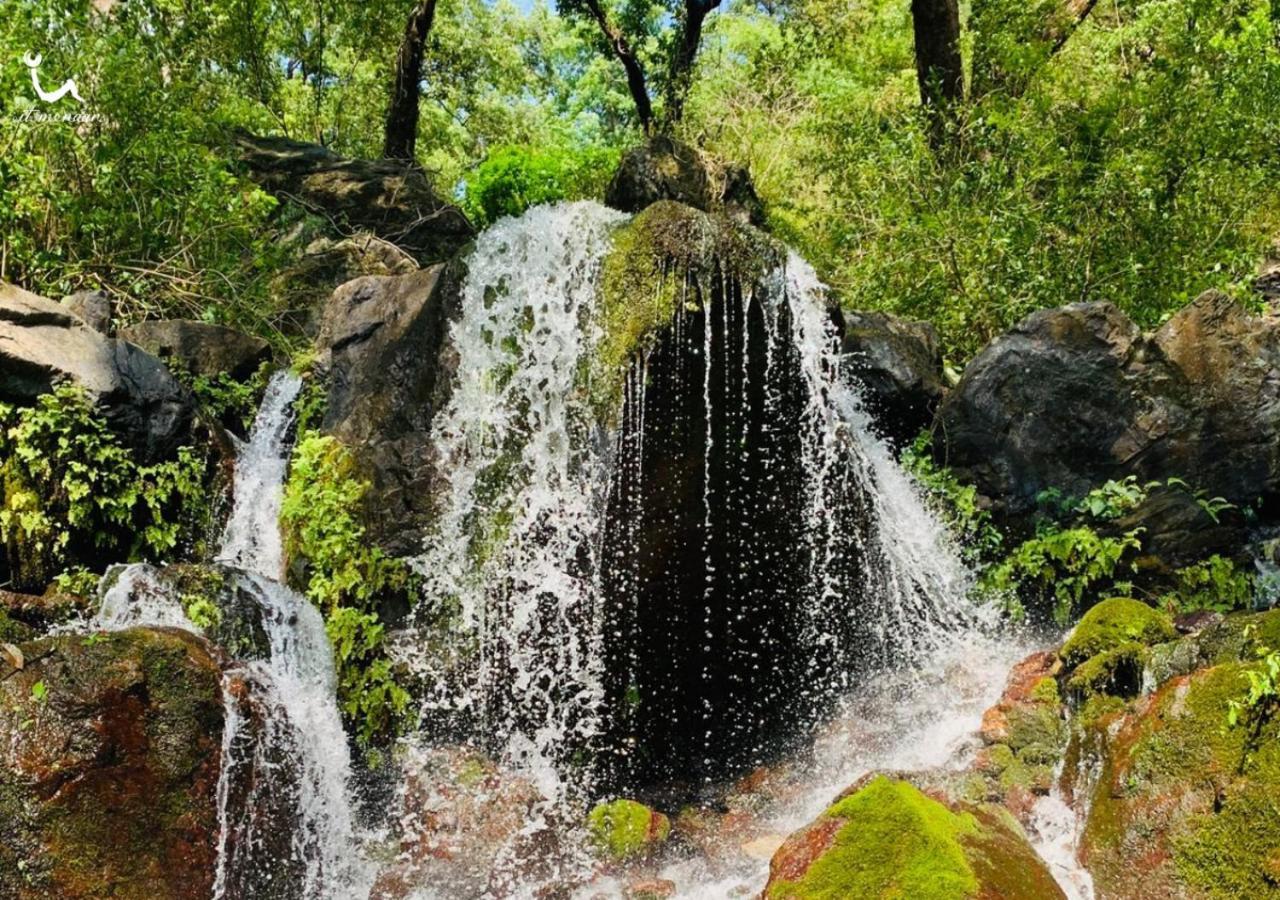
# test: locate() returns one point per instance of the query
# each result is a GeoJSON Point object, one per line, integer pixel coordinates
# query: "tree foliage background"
{"type": "Point", "coordinates": [1130, 161]}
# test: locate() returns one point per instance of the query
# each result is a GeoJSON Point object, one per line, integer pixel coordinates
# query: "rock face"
{"type": "Point", "coordinates": [665, 169]}
{"type": "Point", "coordinates": [387, 198]}
{"type": "Point", "coordinates": [109, 756]}
{"type": "Point", "coordinates": [380, 346]}
{"type": "Point", "coordinates": [899, 363]}
{"type": "Point", "coordinates": [42, 343]}
{"type": "Point", "coordinates": [1074, 396]}
{"type": "Point", "coordinates": [200, 347]}
{"type": "Point", "coordinates": [1184, 805]}
{"type": "Point", "coordinates": [94, 307]}
{"type": "Point", "coordinates": [887, 839]}
{"type": "Point", "coordinates": [325, 263]}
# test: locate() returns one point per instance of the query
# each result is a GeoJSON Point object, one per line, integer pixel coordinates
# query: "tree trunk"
{"type": "Point", "coordinates": [939, 68]}
{"type": "Point", "coordinates": [401, 136]}
{"type": "Point", "coordinates": [635, 73]}
{"type": "Point", "coordinates": [680, 75]}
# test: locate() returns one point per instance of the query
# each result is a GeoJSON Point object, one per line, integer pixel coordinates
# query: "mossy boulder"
{"type": "Point", "coordinates": [109, 762]}
{"type": "Point", "coordinates": [1117, 671]}
{"type": "Point", "coordinates": [623, 829]}
{"type": "Point", "coordinates": [663, 258]}
{"type": "Point", "coordinates": [1113, 622]}
{"type": "Point", "coordinates": [890, 840]}
{"type": "Point", "coordinates": [1186, 806]}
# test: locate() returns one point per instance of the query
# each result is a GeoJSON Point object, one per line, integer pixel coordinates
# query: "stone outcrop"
{"type": "Point", "coordinates": [665, 169]}
{"type": "Point", "coordinates": [94, 307]}
{"type": "Point", "coordinates": [109, 759]}
{"type": "Point", "coordinates": [1075, 396]}
{"type": "Point", "coordinates": [898, 363]}
{"type": "Point", "coordinates": [387, 198]}
{"type": "Point", "coordinates": [42, 343]}
{"type": "Point", "coordinates": [200, 348]}
{"type": "Point", "coordinates": [381, 348]}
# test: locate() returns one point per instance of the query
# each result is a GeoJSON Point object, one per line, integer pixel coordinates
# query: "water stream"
{"type": "Point", "coordinates": [287, 828]}
{"type": "Point", "coordinates": [738, 441]}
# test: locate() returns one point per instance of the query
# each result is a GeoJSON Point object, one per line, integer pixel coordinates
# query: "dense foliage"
{"type": "Point", "coordinates": [1131, 161]}
{"type": "Point", "coordinates": [73, 493]}
{"type": "Point", "coordinates": [346, 578]}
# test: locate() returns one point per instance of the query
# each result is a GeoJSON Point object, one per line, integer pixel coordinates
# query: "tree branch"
{"type": "Point", "coordinates": [680, 75]}
{"type": "Point", "coordinates": [621, 48]}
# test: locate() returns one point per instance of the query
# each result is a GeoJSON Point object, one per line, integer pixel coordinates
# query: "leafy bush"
{"type": "Point", "coordinates": [1213, 584]}
{"type": "Point", "coordinates": [1062, 567]}
{"type": "Point", "coordinates": [73, 493]}
{"type": "Point", "coordinates": [512, 179]}
{"type": "Point", "coordinates": [979, 538]}
{"type": "Point", "coordinates": [346, 577]}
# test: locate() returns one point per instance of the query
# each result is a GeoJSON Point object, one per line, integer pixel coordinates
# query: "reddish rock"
{"type": "Point", "coordinates": [109, 759]}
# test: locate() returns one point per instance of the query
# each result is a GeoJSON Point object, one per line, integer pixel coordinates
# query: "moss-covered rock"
{"type": "Point", "coordinates": [1185, 806]}
{"type": "Point", "coordinates": [661, 260]}
{"type": "Point", "coordinates": [624, 829]}
{"type": "Point", "coordinates": [1117, 671]}
{"type": "Point", "coordinates": [890, 840]}
{"type": "Point", "coordinates": [109, 760]}
{"type": "Point", "coordinates": [1113, 622]}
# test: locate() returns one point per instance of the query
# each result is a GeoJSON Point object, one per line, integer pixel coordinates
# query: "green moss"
{"type": "Point", "coordinates": [1182, 789]}
{"type": "Point", "coordinates": [1113, 622]}
{"type": "Point", "coordinates": [1117, 671]}
{"type": "Point", "coordinates": [624, 829]}
{"type": "Point", "coordinates": [897, 843]}
{"type": "Point", "coordinates": [1046, 691]}
{"type": "Point", "coordinates": [666, 256]}
{"type": "Point", "coordinates": [14, 632]}
{"type": "Point", "coordinates": [1036, 724]}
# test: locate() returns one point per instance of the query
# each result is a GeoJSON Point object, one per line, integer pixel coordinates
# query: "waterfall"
{"type": "Point", "coordinates": [287, 827]}
{"type": "Point", "coordinates": [511, 562]}
{"type": "Point", "coordinates": [251, 538]}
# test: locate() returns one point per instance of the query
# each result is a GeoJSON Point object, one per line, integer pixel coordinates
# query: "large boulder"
{"type": "Point", "coordinates": [886, 838]}
{"type": "Point", "coordinates": [109, 762]}
{"type": "Point", "coordinates": [898, 363]}
{"type": "Point", "coordinates": [94, 307]}
{"type": "Point", "coordinates": [302, 288]}
{"type": "Point", "coordinates": [388, 198]}
{"type": "Point", "coordinates": [42, 344]}
{"type": "Point", "coordinates": [200, 348]}
{"type": "Point", "coordinates": [1075, 396]}
{"type": "Point", "coordinates": [380, 347]}
{"type": "Point", "coordinates": [1186, 806]}
{"type": "Point", "coordinates": [665, 169]}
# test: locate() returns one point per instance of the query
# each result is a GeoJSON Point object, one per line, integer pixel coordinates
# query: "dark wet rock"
{"type": "Point", "coordinates": [1177, 531]}
{"type": "Point", "coordinates": [200, 348]}
{"type": "Point", "coordinates": [886, 838]}
{"type": "Point", "coordinates": [43, 344]}
{"type": "Point", "coordinates": [109, 759]}
{"type": "Point", "coordinates": [899, 365]}
{"type": "Point", "coordinates": [94, 307]}
{"type": "Point", "coordinates": [1193, 622]}
{"type": "Point", "coordinates": [42, 611]}
{"type": "Point", "coordinates": [382, 349]}
{"type": "Point", "coordinates": [666, 169]}
{"type": "Point", "coordinates": [1075, 396]}
{"type": "Point", "coordinates": [387, 198]}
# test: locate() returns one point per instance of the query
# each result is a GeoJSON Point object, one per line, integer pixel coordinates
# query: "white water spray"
{"type": "Point", "coordinates": [513, 548]}
{"type": "Point", "coordinates": [281, 724]}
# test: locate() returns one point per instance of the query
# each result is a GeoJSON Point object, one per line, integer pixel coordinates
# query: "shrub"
{"type": "Point", "coordinates": [346, 577]}
{"type": "Point", "coordinates": [74, 494]}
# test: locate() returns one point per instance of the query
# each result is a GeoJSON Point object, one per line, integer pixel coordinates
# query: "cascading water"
{"type": "Point", "coordinates": [287, 828]}
{"type": "Point", "coordinates": [512, 560]}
